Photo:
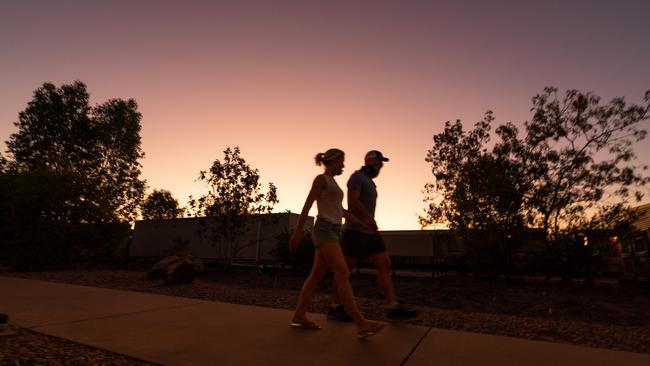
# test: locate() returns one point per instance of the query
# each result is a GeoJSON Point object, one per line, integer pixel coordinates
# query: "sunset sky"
{"type": "Point", "coordinates": [284, 80]}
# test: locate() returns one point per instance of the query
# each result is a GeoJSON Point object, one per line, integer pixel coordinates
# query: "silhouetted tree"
{"type": "Point", "coordinates": [160, 204]}
{"type": "Point", "coordinates": [98, 145]}
{"type": "Point", "coordinates": [571, 171]}
{"type": "Point", "coordinates": [71, 178]}
{"type": "Point", "coordinates": [235, 196]}
{"type": "Point", "coordinates": [4, 163]}
{"type": "Point", "coordinates": [581, 153]}
{"type": "Point", "coordinates": [478, 193]}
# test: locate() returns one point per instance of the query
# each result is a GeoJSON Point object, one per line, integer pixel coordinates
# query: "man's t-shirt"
{"type": "Point", "coordinates": [359, 180]}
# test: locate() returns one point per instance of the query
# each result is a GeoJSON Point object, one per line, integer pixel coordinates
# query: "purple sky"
{"type": "Point", "coordinates": [285, 80]}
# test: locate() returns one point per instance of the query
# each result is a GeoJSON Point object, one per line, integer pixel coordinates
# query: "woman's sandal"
{"type": "Point", "coordinates": [309, 325]}
{"type": "Point", "coordinates": [371, 330]}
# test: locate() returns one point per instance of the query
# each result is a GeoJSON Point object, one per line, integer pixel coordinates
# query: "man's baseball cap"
{"type": "Point", "coordinates": [376, 154]}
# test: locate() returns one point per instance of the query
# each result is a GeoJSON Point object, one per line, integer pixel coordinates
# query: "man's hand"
{"type": "Point", "coordinates": [372, 224]}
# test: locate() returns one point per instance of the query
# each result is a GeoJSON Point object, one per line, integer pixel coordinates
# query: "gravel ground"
{"type": "Point", "coordinates": [25, 347]}
{"type": "Point", "coordinates": [611, 315]}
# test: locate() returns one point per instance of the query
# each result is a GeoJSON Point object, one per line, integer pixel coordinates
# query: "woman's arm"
{"type": "Point", "coordinates": [316, 188]}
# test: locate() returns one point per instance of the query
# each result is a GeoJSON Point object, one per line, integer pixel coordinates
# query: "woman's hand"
{"type": "Point", "coordinates": [294, 242]}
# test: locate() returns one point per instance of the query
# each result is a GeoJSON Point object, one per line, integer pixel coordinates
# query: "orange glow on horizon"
{"type": "Point", "coordinates": [284, 81]}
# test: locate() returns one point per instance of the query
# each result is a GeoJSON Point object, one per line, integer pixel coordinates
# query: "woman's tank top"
{"type": "Point", "coordinates": [330, 201]}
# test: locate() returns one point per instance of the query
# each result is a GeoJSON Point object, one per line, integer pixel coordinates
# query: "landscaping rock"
{"type": "Point", "coordinates": [176, 269]}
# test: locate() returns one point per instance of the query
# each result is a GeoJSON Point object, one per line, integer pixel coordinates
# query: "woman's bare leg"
{"type": "Point", "coordinates": [333, 255]}
{"type": "Point", "coordinates": [351, 262]}
{"type": "Point", "coordinates": [318, 271]}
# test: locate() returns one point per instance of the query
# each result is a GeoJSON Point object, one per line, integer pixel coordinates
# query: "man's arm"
{"type": "Point", "coordinates": [355, 204]}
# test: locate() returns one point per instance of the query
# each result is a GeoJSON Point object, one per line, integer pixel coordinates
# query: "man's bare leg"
{"type": "Point", "coordinates": [382, 265]}
{"type": "Point", "coordinates": [332, 254]}
{"type": "Point", "coordinates": [336, 311]}
{"type": "Point", "coordinates": [395, 309]}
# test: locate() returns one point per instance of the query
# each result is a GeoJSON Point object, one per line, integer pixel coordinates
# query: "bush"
{"type": "Point", "coordinates": [489, 252]}
{"type": "Point", "coordinates": [52, 246]}
{"type": "Point", "coordinates": [43, 248]}
{"type": "Point", "coordinates": [101, 241]}
{"type": "Point", "coordinates": [41, 225]}
{"type": "Point", "coordinates": [302, 258]}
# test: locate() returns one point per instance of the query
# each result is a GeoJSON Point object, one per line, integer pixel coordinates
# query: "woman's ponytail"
{"type": "Point", "coordinates": [319, 158]}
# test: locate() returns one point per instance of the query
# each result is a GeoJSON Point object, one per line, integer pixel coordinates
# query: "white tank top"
{"type": "Point", "coordinates": [330, 201]}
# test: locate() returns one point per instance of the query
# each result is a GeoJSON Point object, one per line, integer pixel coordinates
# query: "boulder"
{"type": "Point", "coordinates": [176, 269]}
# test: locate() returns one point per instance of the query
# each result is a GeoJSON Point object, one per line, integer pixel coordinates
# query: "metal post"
{"type": "Point", "coordinates": [259, 233]}
{"type": "Point", "coordinates": [433, 257]}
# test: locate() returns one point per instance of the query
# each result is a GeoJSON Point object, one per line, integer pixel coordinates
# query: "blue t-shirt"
{"type": "Point", "coordinates": [360, 181]}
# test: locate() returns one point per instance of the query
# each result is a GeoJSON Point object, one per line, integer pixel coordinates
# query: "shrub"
{"type": "Point", "coordinates": [302, 258]}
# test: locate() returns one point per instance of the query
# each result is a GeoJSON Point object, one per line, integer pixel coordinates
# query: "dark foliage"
{"type": "Point", "coordinates": [302, 258]}
{"type": "Point", "coordinates": [160, 204]}
{"type": "Point", "coordinates": [234, 200]}
{"type": "Point", "coordinates": [70, 184]}
{"type": "Point", "coordinates": [571, 173]}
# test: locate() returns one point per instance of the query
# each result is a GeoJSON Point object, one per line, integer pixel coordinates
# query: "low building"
{"type": "Point", "coordinates": [159, 238]}
{"type": "Point", "coordinates": [434, 249]}
{"type": "Point", "coordinates": [430, 250]}
{"type": "Point", "coordinates": [634, 247]}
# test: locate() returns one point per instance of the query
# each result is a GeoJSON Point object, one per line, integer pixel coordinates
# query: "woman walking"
{"type": "Point", "coordinates": [326, 237]}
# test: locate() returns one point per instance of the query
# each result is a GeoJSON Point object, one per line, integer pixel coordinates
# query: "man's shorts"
{"type": "Point", "coordinates": [324, 231]}
{"type": "Point", "coordinates": [358, 245]}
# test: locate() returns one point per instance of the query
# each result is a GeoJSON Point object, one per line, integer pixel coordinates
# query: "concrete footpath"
{"type": "Point", "coordinates": [178, 331]}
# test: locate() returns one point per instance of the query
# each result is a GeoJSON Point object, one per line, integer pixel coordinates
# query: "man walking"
{"type": "Point", "coordinates": [359, 242]}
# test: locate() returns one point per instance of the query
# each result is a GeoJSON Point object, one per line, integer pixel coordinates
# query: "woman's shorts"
{"type": "Point", "coordinates": [324, 231]}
